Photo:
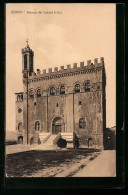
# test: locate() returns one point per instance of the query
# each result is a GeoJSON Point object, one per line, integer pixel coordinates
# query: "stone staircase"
{"type": "Point", "coordinates": [50, 140]}
{"type": "Point", "coordinates": [68, 136]}
{"type": "Point", "coordinates": [44, 137]}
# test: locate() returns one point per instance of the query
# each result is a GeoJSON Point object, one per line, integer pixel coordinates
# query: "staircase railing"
{"type": "Point", "coordinates": [56, 138]}
{"type": "Point", "coordinates": [46, 138]}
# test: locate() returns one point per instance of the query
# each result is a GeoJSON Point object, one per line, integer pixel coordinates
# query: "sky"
{"type": "Point", "coordinates": [76, 33]}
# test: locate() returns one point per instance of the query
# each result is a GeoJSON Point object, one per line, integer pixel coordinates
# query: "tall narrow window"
{"type": "Point", "coordinates": [52, 91]}
{"type": "Point", "coordinates": [37, 125]}
{"type": "Point", "coordinates": [82, 123]}
{"type": "Point", "coordinates": [31, 94]}
{"type": "Point", "coordinates": [62, 90]}
{"type": "Point", "coordinates": [25, 61]}
{"type": "Point", "coordinates": [77, 88]}
{"type": "Point", "coordinates": [20, 126]}
{"type": "Point", "coordinates": [87, 86]}
{"type": "Point", "coordinates": [39, 93]}
{"type": "Point", "coordinates": [18, 98]}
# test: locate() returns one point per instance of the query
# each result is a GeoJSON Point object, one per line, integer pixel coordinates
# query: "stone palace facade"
{"type": "Point", "coordinates": [61, 101]}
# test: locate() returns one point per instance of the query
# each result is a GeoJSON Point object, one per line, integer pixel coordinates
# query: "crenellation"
{"type": "Point", "coordinates": [38, 71]}
{"type": "Point", "coordinates": [44, 71]}
{"type": "Point", "coordinates": [55, 69]}
{"type": "Point", "coordinates": [68, 66]}
{"type": "Point", "coordinates": [88, 62]}
{"type": "Point", "coordinates": [49, 70]}
{"type": "Point", "coordinates": [81, 64]}
{"type": "Point", "coordinates": [102, 60]}
{"type": "Point", "coordinates": [61, 67]}
{"type": "Point", "coordinates": [74, 65]}
{"type": "Point", "coordinates": [96, 61]}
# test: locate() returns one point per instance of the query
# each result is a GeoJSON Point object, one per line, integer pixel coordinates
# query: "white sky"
{"type": "Point", "coordinates": [82, 32]}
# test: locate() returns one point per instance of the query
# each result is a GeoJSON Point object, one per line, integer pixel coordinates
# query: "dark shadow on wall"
{"type": "Point", "coordinates": [110, 139]}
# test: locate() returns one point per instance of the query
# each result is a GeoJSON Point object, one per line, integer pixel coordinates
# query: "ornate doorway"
{"type": "Point", "coordinates": [57, 125]}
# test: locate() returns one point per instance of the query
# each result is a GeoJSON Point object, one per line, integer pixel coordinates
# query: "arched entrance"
{"type": "Point", "coordinates": [20, 140]}
{"type": "Point", "coordinates": [57, 125]}
{"type": "Point", "coordinates": [32, 141]}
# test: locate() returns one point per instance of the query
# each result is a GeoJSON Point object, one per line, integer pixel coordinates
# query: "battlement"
{"type": "Point", "coordinates": [27, 49]}
{"type": "Point", "coordinates": [71, 69]}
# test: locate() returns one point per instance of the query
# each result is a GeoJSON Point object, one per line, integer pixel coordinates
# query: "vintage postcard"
{"type": "Point", "coordinates": [60, 90]}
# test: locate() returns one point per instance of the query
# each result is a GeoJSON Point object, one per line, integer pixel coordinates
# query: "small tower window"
{"type": "Point", "coordinates": [52, 91]}
{"type": "Point", "coordinates": [77, 88]}
{"type": "Point", "coordinates": [57, 105]}
{"type": "Point", "coordinates": [31, 94]}
{"type": "Point", "coordinates": [82, 123]}
{"type": "Point", "coordinates": [20, 127]}
{"type": "Point", "coordinates": [79, 102]}
{"type": "Point", "coordinates": [25, 61]}
{"type": "Point", "coordinates": [39, 93]}
{"type": "Point", "coordinates": [37, 125]}
{"type": "Point", "coordinates": [87, 86]}
{"type": "Point", "coordinates": [62, 90]}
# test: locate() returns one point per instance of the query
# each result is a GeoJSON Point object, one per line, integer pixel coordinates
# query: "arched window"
{"type": "Point", "coordinates": [82, 123]}
{"type": "Point", "coordinates": [25, 61]}
{"type": "Point", "coordinates": [77, 88]}
{"type": "Point", "coordinates": [87, 86]}
{"type": "Point", "coordinates": [39, 93]}
{"type": "Point", "coordinates": [37, 125]}
{"type": "Point", "coordinates": [52, 91]}
{"type": "Point", "coordinates": [20, 127]}
{"type": "Point", "coordinates": [31, 94]}
{"type": "Point", "coordinates": [62, 90]}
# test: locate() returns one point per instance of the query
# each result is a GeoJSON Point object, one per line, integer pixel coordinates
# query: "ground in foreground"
{"type": "Point", "coordinates": [47, 163]}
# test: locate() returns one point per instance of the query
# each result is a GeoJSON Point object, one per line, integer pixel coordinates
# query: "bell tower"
{"type": "Point", "coordinates": [27, 60]}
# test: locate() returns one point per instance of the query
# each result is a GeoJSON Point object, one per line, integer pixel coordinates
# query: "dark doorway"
{"type": "Point", "coordinates": [31, 141]}
{"type": "Point", "coordinates": [20, 140]}
{"type": "Point", "coordinates": [57, 125]}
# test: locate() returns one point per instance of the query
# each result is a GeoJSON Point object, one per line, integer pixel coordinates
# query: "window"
{"type": "Point", "coordinates": [87, 86]}
{"type": "Point", "coordinates": [19, 110]}
{"type": "Point", "coordinates": [57, 105]}
{"type": "Point", "coordinates": [18, 98]}
{"type": "Point", "coordinates": [77, 88]}
{"type": "Point", "coordinates": [20, 126]}
{"type": "Point", "coordinates": [31, 94]}
{"type": "Point", "coordinates": [25, 61]}
{"type": "Point", "coordinates": [21, 97]}
{"type": "Point", "coordinates": [79, 102]}
{"type": "Point", "coordinates": [37, 125]}
{"type": "Point", "coordinates": [52, 91]}
{"type": "Point", "coordinates": [39, 93]}
{"type": "Point", "coordinates": [62, 90]}
{"type": "Point", "coordinates": [98, 87]}
{"type": "Point", "coordinates": [82, 123]}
